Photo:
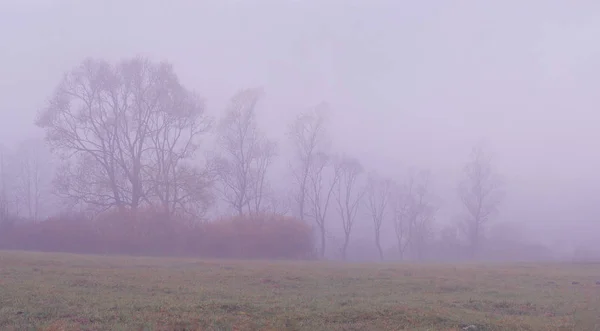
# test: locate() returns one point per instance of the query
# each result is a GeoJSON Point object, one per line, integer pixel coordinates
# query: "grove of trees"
{"type": "Point", "coordinates": [132, 163]}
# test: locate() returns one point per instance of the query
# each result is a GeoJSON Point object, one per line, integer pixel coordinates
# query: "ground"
{"type": "Point", "coordinates": [50, 291]}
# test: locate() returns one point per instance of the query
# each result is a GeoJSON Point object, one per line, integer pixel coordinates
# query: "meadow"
{"type": "Point", "coordinates": [54, 291]}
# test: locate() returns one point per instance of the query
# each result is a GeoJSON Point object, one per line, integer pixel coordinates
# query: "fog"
{"type": "Point", "coordinates": [408, 84]}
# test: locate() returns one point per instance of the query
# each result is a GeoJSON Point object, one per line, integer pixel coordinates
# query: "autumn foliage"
{"type": "Point", "coordinates": [148, 232]}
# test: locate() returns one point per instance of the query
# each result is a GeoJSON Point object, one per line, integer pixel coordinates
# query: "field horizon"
{"type": "Point", "coordinates": [65, 291]}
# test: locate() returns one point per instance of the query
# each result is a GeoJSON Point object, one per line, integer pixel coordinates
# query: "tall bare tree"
{"type": "Point", "coordinates": [320, 185]}
{"type": "Point", "coordinates": [309, 138]}
{"type": "Point", "coordinates": [176, 183]}
{"type": "Point", "coordinates": [348, 193]}
{"type": "Point", "coordinates": [378, 196]}
{"type": "Point", "coordinates": [247, 155]}
{"type": "Point", "coordinates": [4, 203]}
{"type": "Point", "coordinates": [423, 216]}
{"type": "Point", "coordinates": [402, 214]}
{"type": "Point", "coordinates": [33, 176]}
{"type": "Point", "coordinates": [120, 129]}
{"type": "Point", "coordinates": [481, 192]}
{"type": "Point", "coordinates": [414, 213]}
{"type": "Point", "coordinates": [11, 197]}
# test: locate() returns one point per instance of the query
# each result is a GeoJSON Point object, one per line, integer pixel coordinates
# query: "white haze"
{"type": "Point", "coordinates": [409, 83]}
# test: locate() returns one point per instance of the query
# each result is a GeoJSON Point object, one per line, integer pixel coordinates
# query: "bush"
{"type": "Point", "coordinates": [151, 232]}
{"type": "Point", "coordinates": [142, 232]}
{"type": "Point", "coordinates": [64, 233]}
{"type": "Point", "coordinates": [270, 236]}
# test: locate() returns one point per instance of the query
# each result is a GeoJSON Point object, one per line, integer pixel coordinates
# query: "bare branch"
{"type": "Point", "coordinates": [320, 189]}
{"type": "Point", "coordinates": [246, 155]}
{"type": "Point", "coordinates": [308, 136]}
{"type": "Point", "coordinates": [414, 213]}
{"type": "Point", "coordinates": [122, 131]}
{"type": "Point", "coordinates": [378, 196]}
{"type": "Point", "coordinates": [481, 193]}
{"type": "Point", "coordinates": [348, 194]}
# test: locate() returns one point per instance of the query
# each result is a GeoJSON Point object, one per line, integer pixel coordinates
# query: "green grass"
{"type": "Point", "coordinates": [76, 292]}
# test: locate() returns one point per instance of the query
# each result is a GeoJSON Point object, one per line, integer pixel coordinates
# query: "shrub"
{"type": "Point", "coordinates": [141, 232]}
{"type": "Point", "coordinates": [263, 235]}
{"type": "Point", "coordinates": [64, 233]}
{"type": "Point", "coordinates": [152, 232]}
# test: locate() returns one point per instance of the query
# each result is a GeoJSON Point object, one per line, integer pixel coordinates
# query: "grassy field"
{"type": "Point", "coordinates": [75, 292]}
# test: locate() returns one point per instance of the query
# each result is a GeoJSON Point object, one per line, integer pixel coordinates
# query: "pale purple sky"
{"type": "Point", "coordinates": [409, 82]}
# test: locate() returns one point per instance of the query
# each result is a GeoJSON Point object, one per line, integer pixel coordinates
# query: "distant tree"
{"type": "Point", "coordinates": [124, 132]}
{"type": "Point", "coordinates": [309, 138]}
{"type": "Point", "coordinates": [176, 181]}
{"type": "Point", "coordinates": [279, 202]}
{"type": "Point", "coordinates": [33, 176]}
{"type": "Point", "coordinates": [4, 201]}
{"type": "Point", "coordinates": [348, 193]}
{"type": "Point", "coordinates": [414, 213]}
{"type": "Point", "coordinates": [423, 215]}
{"type": "Point", "coordinates": [246, 156]}
{"type": "Point", "coordinates": [11, 203]}
{"type": "Point", "coordinates": [449, 235]}
{"type": "Point", "coordinates": [480, 192]}
{"type": "Point", "coordinates": [378, 196]}
{"type": "Point", "coordinates": [321, 184]}
{"type": "Point", "coordinates": [401, 204]}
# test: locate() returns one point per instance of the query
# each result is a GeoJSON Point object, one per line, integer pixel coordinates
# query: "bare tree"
{"type": "Point", "coordinates": [348, 194]}
{"type": "Point", "coordinates": [261, 189]}
{"type": "Point", "coordinates": [278, 202]}
{"type": "Point", "coordinates": [423, 215]}
{"type": "Point", "coordinates": [309, 139]}
{"type": "Point", "coordinates": [33, 176]}
{"type": "Point", "coordinates": [378, 196]}
{"type": "Point", "coordinates": [247, 155]}
{"type": "Point", "coordinates": [30, 187]}
{"type": "Point", "coordinates": [184, 191]}
{"type": "Point", "coordinates": [320, 188]}
{"type": "Point", "coordinates": [480, 192]}
{"type": "Point", "coordinates": [402, 210]}
{"type": "Point", "coordinates": [119, 130]}
{"type": "Point", "coordinates": [4, 204]}
{"type": "Point", "coordinates": [414, 213]}
{"type": "Point", "coordinates": [11, 197]}
{"type": "Point", "coordinates": [175, 183]}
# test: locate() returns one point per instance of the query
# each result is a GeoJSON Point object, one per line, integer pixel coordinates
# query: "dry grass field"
{"type": "Point", "coordinates": [46, 291]}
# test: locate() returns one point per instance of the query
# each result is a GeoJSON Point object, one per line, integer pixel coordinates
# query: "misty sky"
{"type": "Point", "coordinates": [410, 83]}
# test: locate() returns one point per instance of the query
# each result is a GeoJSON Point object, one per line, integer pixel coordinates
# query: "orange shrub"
{"type": "Point", "coordinates": [144, 231]}
{"type": "Point", "coordinates": [66, 233]}
{"type": "Point", "coordinates": [264, 235]}
{"type": "Point", "coordinates": [151, 232]}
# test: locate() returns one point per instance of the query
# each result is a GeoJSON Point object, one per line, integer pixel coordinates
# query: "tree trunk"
{"type": "Point", "coordinates": [322, 242]}
{"type": "Point", "coordinates": [240, 209]}
{"type": "Point", "coordinates": [301, 201]}
{"type": "Point", "coordinates": [378, 243]}
{"type": "Point", "coordinates": [475, 242]}
{"type": "Point", "coordinates": [400, 252]}
{"type": "Point", "coordinates": [345, 248]}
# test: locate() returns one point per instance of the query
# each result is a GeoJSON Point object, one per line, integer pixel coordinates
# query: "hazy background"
{"type": "Point", "coordinates": [409, 83]}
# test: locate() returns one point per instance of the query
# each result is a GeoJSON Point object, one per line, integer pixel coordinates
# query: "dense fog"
{"type": "Point", "coordinates": [429, 98]}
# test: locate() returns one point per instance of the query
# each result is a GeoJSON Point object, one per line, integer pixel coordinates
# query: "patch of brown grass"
{"type": "Point", "coordinates": [61, 325]}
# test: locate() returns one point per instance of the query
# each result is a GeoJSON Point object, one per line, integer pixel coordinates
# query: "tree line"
{"type": "Point", "coordinates": [129, 135]}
